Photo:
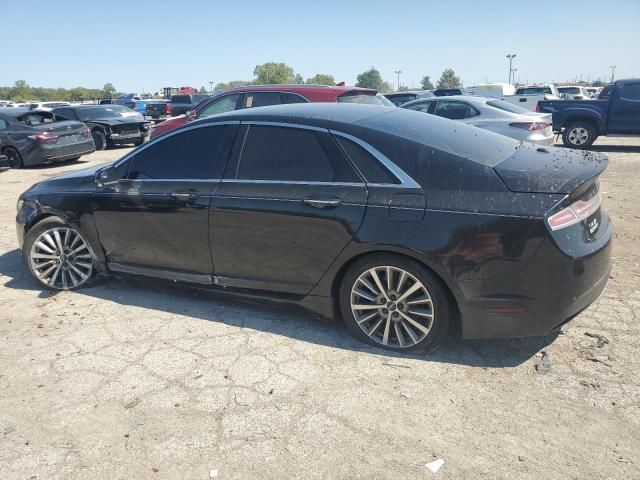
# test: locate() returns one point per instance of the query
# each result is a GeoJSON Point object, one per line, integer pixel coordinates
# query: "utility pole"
{"type": "Point", "coordinates": [398, 72]}
{"type": "Point", "coordinates": [510, 56]}
{"type": "Point", "coordinates": [613, 70]}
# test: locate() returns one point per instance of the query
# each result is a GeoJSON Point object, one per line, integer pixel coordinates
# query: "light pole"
{"type": "Point", "coordinates": [613, 70]}
{"type": "Point", "coordinates": [211, 86]}
{"type": "Point", "coordinates": [510, 56]}
{"type": "Point", "coordinates": [514, 70]}
{"type": "Point", "coordinates": [398, 72]}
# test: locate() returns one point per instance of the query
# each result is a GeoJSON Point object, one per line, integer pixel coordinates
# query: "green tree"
{"type": "Point", "coordinates": [272, 73]}
{"type": "Point", "coordinates": [297, 79]}
{"type": "Point", "coordinates": [322, 79]}
{"type": "Point", "coordinates": [202, 90]}
{"type": "Point", "coordinates": [426, 83]}
{"type": "Point", "coordinates": [372, 79]}
{"type": "Point", "coordinates": [231, 84]}
{"type": "Point", "coordinates": [449, 79]}
{"type": "Point", "coordinates": [109, 91]}
{"type": "Point", "coordinates": [598, 83]}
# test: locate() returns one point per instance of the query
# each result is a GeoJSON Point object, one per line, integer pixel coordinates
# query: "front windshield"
{"type": "Point", "coordinates": [385, 101]}
{"type": "Point", "coordinates": [365, 98]}
{"type": "Point", "coordinates": [106, 111]}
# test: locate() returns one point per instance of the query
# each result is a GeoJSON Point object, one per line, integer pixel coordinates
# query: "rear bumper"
{"type": "Point", "coordinates": [44, 154]}
{"type": "Point", "coordinates": [555, 288]}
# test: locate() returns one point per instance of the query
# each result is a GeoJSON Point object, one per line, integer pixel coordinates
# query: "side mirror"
{"type": "Point", "coordinates": [107, 176]}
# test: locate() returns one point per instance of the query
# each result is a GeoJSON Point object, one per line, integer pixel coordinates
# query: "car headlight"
{"type": "Point", "coordinates": [19, 205]}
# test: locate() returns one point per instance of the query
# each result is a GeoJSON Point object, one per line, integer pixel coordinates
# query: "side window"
{"type": "Point", "coordinates": [186, 155]}
{"type": "Point", "coordinates": [293, 154]}
{"type": "Point", "coordinates": [471, 112]}
{"type": "Point", "coordinates": [220, 105]}
{"type": "Point", "coordinates": [451, 109]}
{"type": "Point", "coordinates": [368, 165]}
{"type": "Point", "coordinates": [3, 124]}
{"type": "Point", "coordinates": [293, 98]}
{"type": "Point", "coordinates": [262, 99]}
{"type": "Point", "coordinates": [67, 113]}
{"type": "Point", "coordinates": [420, 107]}
{"type": "Point", "coordinates": [631, 91]}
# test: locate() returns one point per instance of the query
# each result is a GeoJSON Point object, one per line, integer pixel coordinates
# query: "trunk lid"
{"type": "Point", "coordinates": [534, 169]}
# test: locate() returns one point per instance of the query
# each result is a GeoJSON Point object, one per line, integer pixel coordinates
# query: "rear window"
{"type": "Point", "coordinates": [533, 91]}
{"type": "Point", "coordinates": [570, 90]}
{"type": "Point", "coordinates": [507, 107]}
{"type": "Point", "coordinates": [181, 99]}
{"type": "Point", "coordinates": [631, 91]}
{"type": "Point", "coordinates": [36, 118]}
{"type": "Point", "coordinates": [359, 97]}
{"type": "Point", "coordinates": [466, 141]}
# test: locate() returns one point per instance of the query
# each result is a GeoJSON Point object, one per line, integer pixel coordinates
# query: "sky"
{"type": "Point", "coordinates": [140, 45]}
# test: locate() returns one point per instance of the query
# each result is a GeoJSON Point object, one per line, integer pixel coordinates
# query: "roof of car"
{"type": "Point", "coordinates": [14, 111]}
{"type": "Point", "coordinates": [300, 87]}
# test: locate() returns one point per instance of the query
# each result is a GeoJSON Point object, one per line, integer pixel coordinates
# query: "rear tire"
{"type": "Point", "coordinates": [99, 139]}
{"type": "Point", "coordinates": [405, 309]}
{"type": "Point", "coordinates": [15, 160]}
{"type": "Point", "coordinates": [137, 143]}
{"type": "Point", "coordinates": [579, 135]}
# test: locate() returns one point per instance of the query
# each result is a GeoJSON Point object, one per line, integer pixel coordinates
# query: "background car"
{"type": "Point", "coordinates": [490, 114]}
{"type": "Point", "coordinates": [447, 92]}
{"type": "Point", "coordinates": [108, 126]}
{"type": "Point", "coordinates": [47, 106]}
{"type": "Point", "coordinates": [29, 137]}
{"type": "Point", "coordinates": [183, 103]}
{"type": "Point", "coordinates": [155, 110]}
{"type": "Point", "coordinates": [399, 222]}
{"type": "Point", "coordinates": [398, 98]}
{"type": "Point", "coordinates": [265, 95]}
{"type": "Point", "coordinates": [574, 92]}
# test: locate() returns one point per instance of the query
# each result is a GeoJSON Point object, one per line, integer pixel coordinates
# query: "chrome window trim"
{"type": "Point", "coordinates": [148, 144]}
{"type": "Point", "coordinates": [401, 175]}
{"type": "Point", "coordinates": [266, 123]}
{"type": "Point", "coordinates": [291, 182]}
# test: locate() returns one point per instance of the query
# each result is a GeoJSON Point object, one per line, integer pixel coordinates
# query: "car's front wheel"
{"type": "Point", "coordinates": [99, 139]}
{"type": "Point", "coordinates": [394, 303]}
{"type": "Point", "coordinates": [57, 256]}
{"type": "Point", "coordinates": [15, 160]}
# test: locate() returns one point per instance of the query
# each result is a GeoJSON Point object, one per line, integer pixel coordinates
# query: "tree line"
{"type": "Point", "coordinates": [22, 91]}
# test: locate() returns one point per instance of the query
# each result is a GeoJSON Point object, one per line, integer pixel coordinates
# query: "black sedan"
{"type": "Point", "coordinates": [401, 223]}
{"type": "Point", "coordinates": [109, 124]}
{"type": "Point", "coordinates": [33, 137]}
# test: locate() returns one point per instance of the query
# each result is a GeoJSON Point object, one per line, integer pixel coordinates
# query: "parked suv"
{"type": "Point", "coordinates": [264, 95]}
{"type": "Point", "coordinates": [183, 103]}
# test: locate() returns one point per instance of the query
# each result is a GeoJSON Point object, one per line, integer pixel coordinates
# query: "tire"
{"type": "Point", "coordinates": [137, 143]}
{"type": "Point", "coordinates": [419, 327]}
{"type": "Point", "coordinates": [579, 135]}
{"type": "Point", "coordinates": [99, 139]}
{"type": "Point", "coordinates": [15, 160]}
{"type": "Point", "coordinates": [52, 267]}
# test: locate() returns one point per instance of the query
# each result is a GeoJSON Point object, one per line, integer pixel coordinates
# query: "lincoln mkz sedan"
{"type": "Point", "coordinates": [402, 224]}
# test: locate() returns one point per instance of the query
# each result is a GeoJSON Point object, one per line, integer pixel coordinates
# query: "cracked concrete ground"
{"type": "Point", "coordinates": [134, 380]}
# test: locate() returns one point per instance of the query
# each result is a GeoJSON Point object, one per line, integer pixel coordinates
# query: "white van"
{"type": "Point", "coordinates": [492, 90]}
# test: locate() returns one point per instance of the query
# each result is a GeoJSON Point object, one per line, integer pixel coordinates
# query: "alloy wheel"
{"type": "Point", "coordinates": [14, 158]}
{"type": "Point", "coordinates": [392, 306]}
{"type": "Point", "coordinates": [578, 136]}
{"type": "Point", "coordinates": [61, 259]}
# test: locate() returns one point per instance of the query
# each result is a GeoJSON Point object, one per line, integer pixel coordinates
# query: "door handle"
{"type": "Point", "coordinates": [323, 202]}
{"type": "Point", "coordinates": [183, 196]}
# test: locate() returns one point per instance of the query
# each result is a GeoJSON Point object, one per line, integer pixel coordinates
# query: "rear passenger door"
{"type": "Point", "coordinates": [624, 112]}
{"type": "Point", "coordinates": [288, 204]}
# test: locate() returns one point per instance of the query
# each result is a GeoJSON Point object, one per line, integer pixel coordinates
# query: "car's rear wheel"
{"type": "Point", "coordinates": [394, 303]}
{"type": "Point", "coordinates": [57, 256]}
{"type": "Point", "coordinates": [99, 139]}
{"type": "Point", "coordinates": [137, 143]}
{"type": "Point", "coordinates": [579, 135]}
{"type": "Point", "coordinates": [15, 160]}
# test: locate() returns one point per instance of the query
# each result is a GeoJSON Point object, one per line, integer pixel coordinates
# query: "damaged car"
{"type": "Point", "coordinates": [32, 137]}
{"type": "Point", "coordinates": [109, 124]}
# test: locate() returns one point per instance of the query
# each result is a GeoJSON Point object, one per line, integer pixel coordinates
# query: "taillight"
{"type": "Point", "coordinates": [529, 125]}
{"type": "Point", "coordinates": [538, 107]}
{"type": "Point", "coordinates": [85, 132]}
{"type": "Point", "coordinates": [167, 109]}
{"type": "Point", "coordinates": [46, 137]}
{"type": "Point", "coordinates": [135, 109]}
{"type": "Point", "coordinates": [576, 212]}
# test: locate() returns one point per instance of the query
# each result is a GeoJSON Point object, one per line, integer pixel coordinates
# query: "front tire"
{"type": "Point", "coordinates": [99, 139]}
{"type": "Point", "coordinates": [394, 303]}
{"type": "Point", "coordinates": [57, 256]}
{"type": "Point", "coordinates": [579, 135]}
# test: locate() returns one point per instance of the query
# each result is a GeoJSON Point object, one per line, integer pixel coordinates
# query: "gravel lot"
{"type": "Point", "coordinates": [129, 380]}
